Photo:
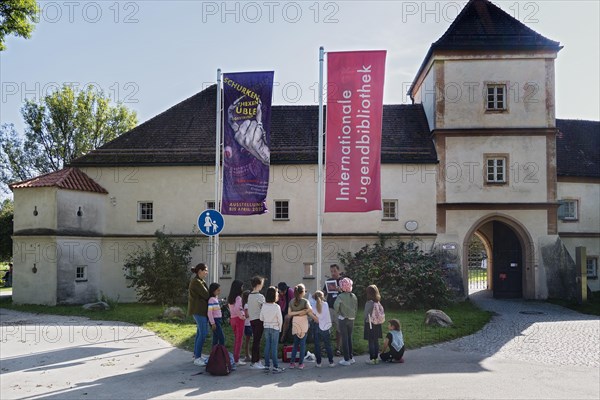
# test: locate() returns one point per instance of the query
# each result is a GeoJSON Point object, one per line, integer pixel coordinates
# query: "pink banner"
{"type": "Point", "coordinates": [354, 115]}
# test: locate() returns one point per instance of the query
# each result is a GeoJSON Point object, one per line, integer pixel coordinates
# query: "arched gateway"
{"type": "Point", "coordinates": [509, 250]}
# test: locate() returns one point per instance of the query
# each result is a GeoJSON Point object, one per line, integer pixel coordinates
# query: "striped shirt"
{"type": "Point", "coordinates": [214, 310]}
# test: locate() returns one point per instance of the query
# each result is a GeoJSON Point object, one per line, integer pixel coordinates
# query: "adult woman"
{"type": "Point", "coordinates": [198, 308]}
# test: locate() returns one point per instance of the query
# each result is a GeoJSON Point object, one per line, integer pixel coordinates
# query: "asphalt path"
{"type": "Point", "coordinates": [530, 350]}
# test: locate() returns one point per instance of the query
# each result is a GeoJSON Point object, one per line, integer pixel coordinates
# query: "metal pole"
{"type": "Point", "coordinates": [215, 242]}
{"type": "Point", "coordinates": [320, 169]}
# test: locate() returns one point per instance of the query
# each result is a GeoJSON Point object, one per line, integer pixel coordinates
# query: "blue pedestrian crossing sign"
{"type": "Point", "coordinates": [210, 222]}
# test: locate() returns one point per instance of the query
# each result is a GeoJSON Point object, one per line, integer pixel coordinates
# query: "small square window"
{"type": "Point", "coordinates": [131, 272]}
{"type": "Point", "coordinates": [225, 270]}
{"type": "Point", "coordinates": [282, 210]}
{"type": "Point", "coordinates": [495, 170]}
{"type": "Point", "coordinates": [390, 209]}
{"type": "Point", "coordinates": [567, 210]}
{"type": "Point", "coordinates": [81, 273]}
{"type": "Point", "coordinates": [145, 211]}
{"type": "Point", "coordinates": [592, 267]}
{"type": "Point", "coordinates": [210, 204]}
{"type": "Point", "coordinates": [496, 97]}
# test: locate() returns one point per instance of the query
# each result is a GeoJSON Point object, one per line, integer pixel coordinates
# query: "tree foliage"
{"type": "Point", "coordinates": [161, 274]}
{"type": "Point", "coordinates": [405, 275]}
{"type": "Point", "coordinates": [62, 126]}
{"type": "Point", "coordinates": [7, 211]}
{"type": "Point", "coordinates": [17, 18]}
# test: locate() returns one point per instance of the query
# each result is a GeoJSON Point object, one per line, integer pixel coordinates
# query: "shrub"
{"type": "Point", "coordinates": [161, 274]}
{"type": "Point", "coordinates": [405, 275]}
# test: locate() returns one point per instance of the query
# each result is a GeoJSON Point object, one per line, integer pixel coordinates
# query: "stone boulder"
{"type": "Point", "coordinates": [438, 317]}
{"type": "Point", "coordinates": [174, 313]}
{"type": "Point", "coordinates": [98, 306]}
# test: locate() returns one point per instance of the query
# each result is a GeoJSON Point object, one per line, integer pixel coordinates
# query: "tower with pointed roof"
{"type": "Point", "coordinates": [479, 154]}
{"type": "Point", "coordinates": [487, 88]}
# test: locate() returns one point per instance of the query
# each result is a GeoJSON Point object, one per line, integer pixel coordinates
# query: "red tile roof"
{"type": "Point", "coordinates": [66, 178]}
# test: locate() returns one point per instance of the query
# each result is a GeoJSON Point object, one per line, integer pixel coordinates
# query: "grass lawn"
{"type": "Point", "coordinates": [467, 319]}
{"type": "Point", "coordinates": [592, 307]}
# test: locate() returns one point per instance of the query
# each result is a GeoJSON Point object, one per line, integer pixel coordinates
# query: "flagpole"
{"type": "Point", "coordinates": [320, 173]}
{"type": "Point", "coordinates": [215, 244]}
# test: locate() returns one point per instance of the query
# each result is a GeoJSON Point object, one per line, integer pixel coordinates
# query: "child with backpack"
{"type": "Point", "coordinates": [214, 314]}
{"type": "Point", "coordinates": [321, 332]}
{"type": "Point", "coordinates": [270, 315]}
{"type": "Point", "coordinates": [374, 318]}
{"type": "Point", "coordinates": [394, 342]}
{"type": "Point", "coordinates": [299, 309]}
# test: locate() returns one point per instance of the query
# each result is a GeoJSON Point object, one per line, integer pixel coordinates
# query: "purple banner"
{"type": "Point", "coordinates": [247, 131]}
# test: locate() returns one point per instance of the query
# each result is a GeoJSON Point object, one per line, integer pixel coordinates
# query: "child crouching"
{"type": "Point", "coordinates": [393, 344]}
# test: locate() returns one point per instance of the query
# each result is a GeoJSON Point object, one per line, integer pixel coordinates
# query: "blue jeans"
{"type": "Point", "coordinates": [299, 343]}
{"type": "Point", "coordinates": [218, 336]}
{"type": "Point", "coordinates": [271, 342]}
{"type": "Point", "coordinates": [346, 327]}
{"type": "Point", "coordinates": [201, 334]}
{"type": "Point", "coordinates": [325, 337]}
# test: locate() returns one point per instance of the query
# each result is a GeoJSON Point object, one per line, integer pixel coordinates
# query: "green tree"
{"type": "Point", "coordinates": [17, 18]}
{"type": "Point", "coordinates": [404, 274]}
{"type": "Point", "coordinates": [6, 229]}
{"type": "Point", "coordinates": [62, 126]}
{"type": "Point", "coordinates": [161, 274]}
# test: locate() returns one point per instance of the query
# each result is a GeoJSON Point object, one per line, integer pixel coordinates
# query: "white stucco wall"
{"type": "Point", "coordinates": [588, 196]}
{"type": "Point", "coordinates": [526, 97]}
{"type": "Point", "coordinates": [92, 207]}
{"type": "Point", "coordinates": [465, 169]}
{"type": "Point", "coordinates": [38, 287]}
{"type": "Point", "coordinates": [426, 95]}
{"type": "Point", "coordinates": [179, 194]}
{"type": "Point", "coordinates": [461, 87]}
{"type": "Point", "coordinates": [73, 252]}
{"type": "Point", "coordinates": [288, 256]}
{"type": "Point", "coordinates": [27, 200]}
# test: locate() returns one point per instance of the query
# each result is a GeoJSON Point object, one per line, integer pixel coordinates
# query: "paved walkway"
{"type": "Point", "coordinates": [533, 331]}
{"type": "Point", "coordinates": [530, 350]}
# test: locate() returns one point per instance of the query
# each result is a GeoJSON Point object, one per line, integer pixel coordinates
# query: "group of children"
{"type": "Point", "coordinates": [253, 315]}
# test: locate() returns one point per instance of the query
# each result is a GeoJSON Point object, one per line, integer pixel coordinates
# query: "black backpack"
{"type": "Point", "coordinates": [218, 361]}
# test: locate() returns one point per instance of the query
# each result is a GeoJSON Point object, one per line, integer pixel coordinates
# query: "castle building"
{"type": "Point", "coordinates": [478, 156]}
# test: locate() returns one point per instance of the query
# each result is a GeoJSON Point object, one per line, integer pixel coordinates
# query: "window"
{"type": "Point", "coordinates": [145, 211]}
{"type": "Point", "coordinates": [282, 210]}
{"type": "Point", "coordinates": [592, 267]}
{"type": "Point", "coordinates": [567, 210]}
{"type": "Point", "coordinates": [496, 97]}
{"type": "Point", "coordinates": [308, 270]}
{"type": "Point", "coordinates": [210, 204]}
{"type": "Point", "coordinates": [389, 209]}
{"type": "Point", "coordinates": [131, 272]}
{"type": "Point", "coordinates": [225, 270]}
{"type": "Point", "coordinates": [495, 169]}
{"type": "Point", "coordinates": [81, 273]}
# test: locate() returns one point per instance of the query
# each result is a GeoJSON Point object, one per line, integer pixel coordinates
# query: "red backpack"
{"type": "Point", "coordinates": [218, 361]}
